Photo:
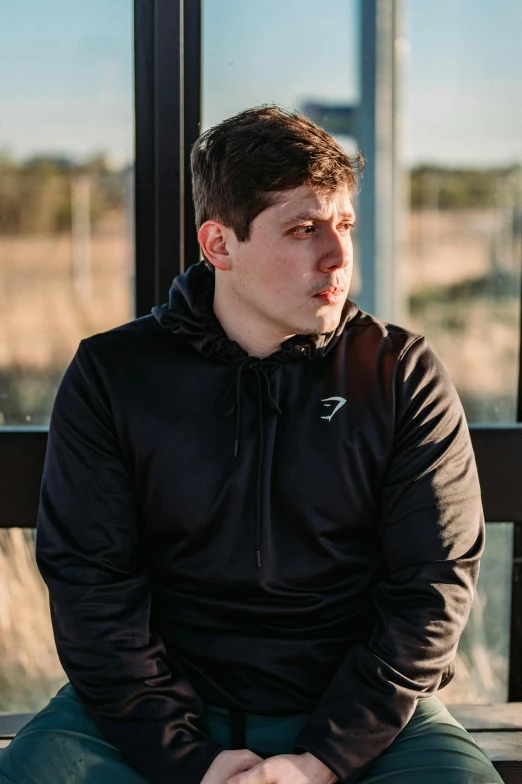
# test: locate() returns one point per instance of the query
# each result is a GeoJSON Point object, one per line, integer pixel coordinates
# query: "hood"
{"type": "Point", "coordinates": [189, 315]}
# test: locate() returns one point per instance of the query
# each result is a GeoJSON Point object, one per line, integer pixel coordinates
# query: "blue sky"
{"type": "Point", "coordinates": [465, 80]}
{"type": "Point", "coordinates": [66, 76]}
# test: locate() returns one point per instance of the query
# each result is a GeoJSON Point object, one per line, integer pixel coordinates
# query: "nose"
{"type": "Point", "coordinates": [336, 251]}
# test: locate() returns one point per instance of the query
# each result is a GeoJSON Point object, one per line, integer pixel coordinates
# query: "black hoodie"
{"type": "Point", "coordinates": [294, 534]}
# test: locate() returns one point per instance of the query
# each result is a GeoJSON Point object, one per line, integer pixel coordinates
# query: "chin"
{"type": "Point", "coordinates": [318, 325]}
{"type": "Point", "coordinates": [329, 321]}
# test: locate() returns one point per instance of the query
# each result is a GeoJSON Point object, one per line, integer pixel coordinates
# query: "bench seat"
{"type": "Point", "coordinates": [498, 730]}
{"type": "Point", "coordinates": [10, 723]}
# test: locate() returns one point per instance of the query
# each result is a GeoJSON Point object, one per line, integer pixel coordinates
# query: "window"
{"type": "Point", "coordinates": [463, 256]}
{"type": "Point", "coordinates": [66, 258]}
{"type": "Point", "coordinates": [447, 192]}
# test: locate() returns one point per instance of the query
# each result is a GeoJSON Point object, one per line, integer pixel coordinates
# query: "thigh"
{"type": "Point", "coordinates": [62, 745]}
{"type": "Point", "coordinates": [433, 748]}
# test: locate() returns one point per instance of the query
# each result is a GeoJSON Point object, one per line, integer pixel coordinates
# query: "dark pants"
{"type": "Point", "coordinates": [62, 745]}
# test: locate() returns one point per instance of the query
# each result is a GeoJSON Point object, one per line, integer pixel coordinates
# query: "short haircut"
{"type": "Point", "coordinates": [239, 165]}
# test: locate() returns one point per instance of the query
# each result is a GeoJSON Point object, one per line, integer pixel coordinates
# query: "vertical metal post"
{"type": "Point", "coordinates": [379, 205]}
{"type": "Point", "coordinates": [81, 261]}
{"type": "Point", "coordinates": [168, 136]}
{"type": "Point", "coordinates": [144, 170]}
{"type": "Point", "coordinates": [515, 646]}
{"type": "Point", "coordinates": [191, 104]}
{"type": "Point", "coordinates": [167, 94]}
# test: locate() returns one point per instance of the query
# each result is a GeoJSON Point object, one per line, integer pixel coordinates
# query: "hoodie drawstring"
{"type": "Point", "coordinates": [263, 390]}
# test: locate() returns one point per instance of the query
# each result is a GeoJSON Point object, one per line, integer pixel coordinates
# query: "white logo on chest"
{"type": "Point", "coordinates": [340, 403]}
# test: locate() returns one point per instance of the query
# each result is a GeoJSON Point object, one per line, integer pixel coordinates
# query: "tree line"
{"type": "Point", "coordinates": [36, 195]}
{"type": "Point", "coordinates": [456, 189]}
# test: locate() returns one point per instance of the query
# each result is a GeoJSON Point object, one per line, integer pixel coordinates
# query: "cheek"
{"type": "Point", "coordinates": [275, 268]}
{"type": "Point", "coordinates": [288, 275]}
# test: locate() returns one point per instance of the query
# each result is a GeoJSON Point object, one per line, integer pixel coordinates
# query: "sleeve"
{"type": "Point", "coordinates": [431, 528]}
{"type": "Point", "coordinates": [88, 553]}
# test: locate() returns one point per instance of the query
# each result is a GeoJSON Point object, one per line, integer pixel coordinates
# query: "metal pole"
{"type": "Point", "coordinates": [191, 102]}
{"type": "Point", "coordinates": [168, 141]}
{"type": "Point", "coordinates": [81, 262]}
{"type": "Point", "coordinates": [380, 199]}
{"type": "Point", "coordinates": [515, 658]}
{"type": "Point", "coordinates": [144, 171]}
{"type": "Point", "coordinates": [159, 138]}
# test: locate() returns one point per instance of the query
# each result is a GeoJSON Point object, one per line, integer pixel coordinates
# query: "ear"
{"type": "Point", "coordinates": [212, 237]}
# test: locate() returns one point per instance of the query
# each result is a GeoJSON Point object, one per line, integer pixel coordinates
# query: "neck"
{"type": "Point", "coordinates": [242, 326]}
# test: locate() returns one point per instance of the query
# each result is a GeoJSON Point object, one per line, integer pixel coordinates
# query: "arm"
{"type": "Point", "coordinates": [432, 531]}
{"type": "Point", "coordinates": [88, 554]}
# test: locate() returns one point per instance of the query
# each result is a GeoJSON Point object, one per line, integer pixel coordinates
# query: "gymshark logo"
{"type": "Point", "coordinates": [340, 403]}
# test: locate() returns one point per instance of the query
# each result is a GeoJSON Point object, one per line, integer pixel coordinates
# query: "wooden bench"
{"type": "Point", "coordinates": [498, 730]}
{"type": "Point", "coordinates": [10, 723]}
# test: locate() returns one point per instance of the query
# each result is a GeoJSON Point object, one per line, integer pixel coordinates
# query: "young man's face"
{"type": "Point", "coordinates": [293, 274]}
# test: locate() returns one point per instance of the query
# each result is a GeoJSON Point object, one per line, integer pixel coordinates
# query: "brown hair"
{"type": "Point", "coordinates": [239, 164]}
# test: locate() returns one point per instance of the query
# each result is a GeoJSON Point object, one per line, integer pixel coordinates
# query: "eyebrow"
{"type": "Point", "coordinates": [313, 216]}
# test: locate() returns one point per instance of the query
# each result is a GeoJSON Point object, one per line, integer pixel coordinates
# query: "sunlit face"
{"type": "Point", "coordinates": [293, 275]}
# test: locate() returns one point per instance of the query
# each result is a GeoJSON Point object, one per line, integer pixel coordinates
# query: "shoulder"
{"type": "Point", "coordinates": [128, 342]}
{"type": "Point", "coordinates": [369, 334]}
{"type": "Point", "coordinates": [119, 356]}
{"type": "Point", "coordinates": [132, 332]}
{"type": "Point", "coordinates": [389, 350]}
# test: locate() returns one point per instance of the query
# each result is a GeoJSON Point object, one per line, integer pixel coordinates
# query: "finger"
{"type": "Point", "coordinates": [256, 775]}
{"type": "Point", "coordinates": [247, 762]}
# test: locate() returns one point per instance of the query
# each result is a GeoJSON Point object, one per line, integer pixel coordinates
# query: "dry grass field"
{"type": "Point", "coordinates": [46, 308]}
{"type": "Point", "coordinates": [30, 672]}
{"type": "Point", "coordinates": [462, 273]}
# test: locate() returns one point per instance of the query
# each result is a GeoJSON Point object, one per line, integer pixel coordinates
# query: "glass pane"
{"type": "Point", "coordinates": [464, 239]}
{"type": "Point", "coordinates": [66, 255]}
{"type": "Point", "coordinates": [66, 235]}
{"type": "Point", "coordinates": [274, 52]}
{"type": "Point", "coordinates": [482, 661]}
{"type": "Point", "coordinates": [305, 61]}
{"type": "Point", "coordinates": [31, 672]}
{"type": "Point", "coordinates": [463, 256]}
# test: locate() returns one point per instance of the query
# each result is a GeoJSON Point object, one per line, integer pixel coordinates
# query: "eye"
{"type": "Point", "coordinates": [348, 225]}
{"type": "Point", "coordinates": [304, 230]}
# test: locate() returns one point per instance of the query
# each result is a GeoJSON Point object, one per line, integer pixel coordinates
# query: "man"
{"type": "Point", "coordinates": [260, 518]}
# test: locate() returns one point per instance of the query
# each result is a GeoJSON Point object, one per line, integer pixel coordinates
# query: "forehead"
{"type": "Point", "coordinates": [307, 201]}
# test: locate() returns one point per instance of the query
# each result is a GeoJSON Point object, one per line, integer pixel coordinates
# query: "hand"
{"type": "Point", "coordinates": [286, 769]}
{"type": "Point", "coordinates": [229, 762]}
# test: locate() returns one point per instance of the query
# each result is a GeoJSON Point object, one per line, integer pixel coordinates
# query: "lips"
{"type": "Point", "coordinates": [330, 295]}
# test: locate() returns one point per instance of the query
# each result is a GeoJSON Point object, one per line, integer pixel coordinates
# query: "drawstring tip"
{"type": "Point", "coordinates": [236, 447]}
{"type": "Point", "coordinates": [258, 554]}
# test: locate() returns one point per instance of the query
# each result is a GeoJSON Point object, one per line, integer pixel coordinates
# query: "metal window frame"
{"type": "Point", "coordinates": [167, 51]}
{"type": "Point", "coordinates": [167, 119]}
